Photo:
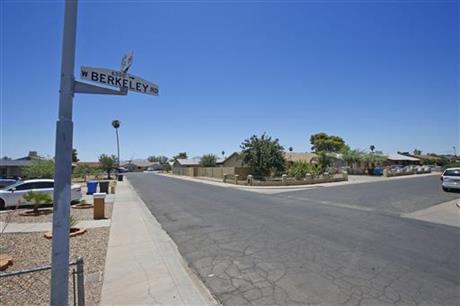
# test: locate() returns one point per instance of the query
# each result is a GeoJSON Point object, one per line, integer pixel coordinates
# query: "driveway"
{"type": "Point", "coordinates": [295, 248]}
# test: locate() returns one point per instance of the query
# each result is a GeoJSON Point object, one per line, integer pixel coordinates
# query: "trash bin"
{"type": "Point", "coordinates": [104, 186]}
{"type": "Point", "coordinates": [99, 206]}
{"type": "Point", "coordinates": [120, 177]}
{"type": "Point", "coordinates": [92, 187]}
{"type": "Point", "coordinates": [378, 171]}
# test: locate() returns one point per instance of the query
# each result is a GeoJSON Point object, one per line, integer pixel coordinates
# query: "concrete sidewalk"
{"type": "Point", "coordinates": [143, 265]}
{"type": "Point", "coordinates": [447, 213]}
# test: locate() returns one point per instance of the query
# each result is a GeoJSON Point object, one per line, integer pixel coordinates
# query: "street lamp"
{"type": "Point", "coordinates": [116, 125]}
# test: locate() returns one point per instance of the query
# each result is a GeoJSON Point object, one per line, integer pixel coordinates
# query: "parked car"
{"type": "Point", "coordinates": [8, 180]}
{"type": "Point", "coordinates": [10, 195]}
{"type": "Point", "coordinates": [395, 168]}
{"type": "Point", "coordinates": [121, 170]}
{"type": "Point", "coordinates": [451, 179]}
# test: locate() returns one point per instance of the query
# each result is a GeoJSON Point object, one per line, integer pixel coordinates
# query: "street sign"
{"type": "Point", "coordinates": [126, 61]}
{"type": "Point", "coordinates": [119, 79]}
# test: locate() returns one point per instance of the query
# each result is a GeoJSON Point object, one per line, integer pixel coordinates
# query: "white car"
{"type": "Point", "coordinates": [11, 195]}
{"type": "Point", "coordinates": [451, 179]}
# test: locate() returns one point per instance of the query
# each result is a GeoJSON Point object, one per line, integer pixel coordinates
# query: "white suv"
{"type": "Point", "coordinates": [11, 195]}
{"type": "Point", "coordinates": [451, 179]}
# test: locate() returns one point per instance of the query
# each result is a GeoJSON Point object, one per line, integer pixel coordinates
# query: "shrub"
{"type": "Point", "coordinates": [39, 169]}
{"type": "Point", "coordinates": [73, 222]}
{"type": "Point", "coordinates": [38, 199]}
{"type": "Point", "coordinates": [452, 165]}
{"type": "Point", "coordinates": [300, 169]}
{"type": "Point", "coordinates": [84, 170]}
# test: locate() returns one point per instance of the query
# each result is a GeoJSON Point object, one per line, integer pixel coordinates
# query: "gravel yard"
{"type": "Point", "coordinates": [30, 250]}
{"type": "Point", "coordinates": [78, 214]}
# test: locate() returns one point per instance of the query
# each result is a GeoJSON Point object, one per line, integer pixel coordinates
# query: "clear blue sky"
{"type": "Point", "coordinates": [383, 73]}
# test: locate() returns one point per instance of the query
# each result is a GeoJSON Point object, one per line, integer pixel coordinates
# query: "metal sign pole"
{"type": "Point", "coordinates": [64, 138]}
{"type": "Point", "coordinates": [63, 160]}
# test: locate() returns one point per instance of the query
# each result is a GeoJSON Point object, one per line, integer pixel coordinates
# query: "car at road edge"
{"type": "Point", "coordinates": [451, 179]}
{"type": "Point", "coordinates": [11, 195]}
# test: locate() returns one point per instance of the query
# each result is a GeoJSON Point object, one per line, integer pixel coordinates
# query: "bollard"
{"type": "Point", "coordinates": [236, 179]}
{"type": "Point", "coordinates": [99, 206]}
{"type": "Point", "coordinates": [112, 189]}
{"type": "Point", "coordinates": [345, 175]}
{"type": "Point", "coordinates": [284, 179]}
{"type": "Point", "coordinates": [225, 178]}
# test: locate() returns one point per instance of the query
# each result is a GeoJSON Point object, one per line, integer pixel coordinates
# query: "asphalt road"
{"type": "Point", "coordinates": [344, 245]}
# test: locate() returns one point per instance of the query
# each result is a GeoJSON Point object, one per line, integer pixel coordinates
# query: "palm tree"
{"type": "Point", "coordinates": [116, 125]}
{"type": "Point", "coordinates": [372, 147]}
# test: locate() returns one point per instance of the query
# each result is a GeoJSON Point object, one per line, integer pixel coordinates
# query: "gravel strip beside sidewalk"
{"type": "Point", "coordinates": [78, 214]}
{"type": "Point", "coordinates": [32, 250]}
{"type": "Point", "coordinates": [47, 226]}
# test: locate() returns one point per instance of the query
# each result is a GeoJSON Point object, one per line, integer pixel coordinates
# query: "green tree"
{"type": "Point", "coordinates": [374, 159]}
{"type": "Point", "coordinates": [372, 148]}
{"type": "Point", "coordinates": [39, 168]}
{"type": "Point", "coordinates": [160, 159]}
{"type": "Point", "coordinates": [208, 160]}
{"type": "Point", "coordinates": [181, 155]}
{"type": "Point", "coordinates": [325, 161]}
{"type": "Point", "coordinates": [84, 170]}
{"type": "Point", "coordinates": [353, 156]}
{"type": "Point", "coordinates": [75, 156]}
{"type": "Point", "coordinates": [263, 155]}
{"type": "Point", "coordinates": [38, 199]}
{"type": "Point", "coordinates": [321, 142]}
{"type": "Point", "coordinates": [163, 160]}
{"type": "Point", "coordinates": [107, 163]}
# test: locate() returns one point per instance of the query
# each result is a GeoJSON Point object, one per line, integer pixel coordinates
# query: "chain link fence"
{"type": "Point", "coordinates": [32, 286]}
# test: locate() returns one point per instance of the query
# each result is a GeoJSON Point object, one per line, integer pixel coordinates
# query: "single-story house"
{"type": "Point", "coordinates": [292, 157]}
{"type": "Point", "coordinates": [186, 162]}
{"type": "Point", "coordinates": [138, 165]}
{"type": "Point", "coordinates": [399, 159]}
{"type": "Point", "coordinates": [13, 167]}
{"type": "Point", "coordinates": [233, 160]}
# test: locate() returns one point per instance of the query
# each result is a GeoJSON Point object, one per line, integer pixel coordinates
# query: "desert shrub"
{"type": "Point", "coordinates": [300, 169]}
{"type": "Point", "coordinates": [38, 199]}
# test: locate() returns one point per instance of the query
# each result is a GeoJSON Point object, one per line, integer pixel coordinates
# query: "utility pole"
{"type": "Point", "coordinates": [63, 156]}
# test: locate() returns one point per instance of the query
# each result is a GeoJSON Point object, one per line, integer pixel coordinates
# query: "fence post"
{"type": "Point", "coordinates": [80, 282]}
{"type": "Point", "coordinates": [249, 178]}
{"type": "Point", "coordinates": [74, 285]}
